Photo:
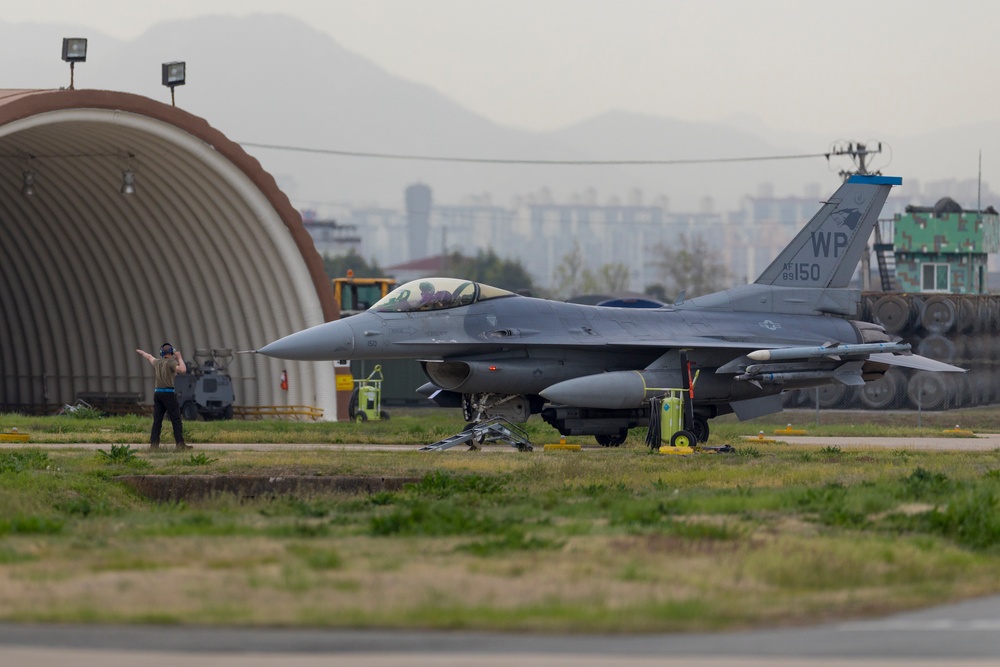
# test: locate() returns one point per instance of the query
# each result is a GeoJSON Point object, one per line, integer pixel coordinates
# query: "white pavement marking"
{"type": "Point", "coordinates": [923, 625]}
{"type": "Point", "coordinates": [985, 442]}
{"type": "Point", "coordinates": [24, 657]}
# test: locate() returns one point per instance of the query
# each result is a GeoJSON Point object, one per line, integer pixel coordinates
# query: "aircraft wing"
{"type": "Point", "coordinates": [673, 343]}
{"type": "Point", "coordinates": [701, 342]}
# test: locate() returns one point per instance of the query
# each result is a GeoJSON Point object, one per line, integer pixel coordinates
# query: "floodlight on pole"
{"type": "Point", "coordinates": [74, 50]}
{"type": "Point", "coordinates": [174, 75]}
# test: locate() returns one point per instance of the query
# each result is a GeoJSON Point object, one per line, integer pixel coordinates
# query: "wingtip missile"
{"type": "Point", "coordinates": [832, 351]}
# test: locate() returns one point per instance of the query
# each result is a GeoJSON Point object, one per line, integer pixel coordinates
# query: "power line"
{"type": "Point", "coordinates": [572, 163]}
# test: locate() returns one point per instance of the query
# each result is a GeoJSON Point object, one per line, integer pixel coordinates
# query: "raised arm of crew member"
{"type": "Point", "coordinates": [181, 366]}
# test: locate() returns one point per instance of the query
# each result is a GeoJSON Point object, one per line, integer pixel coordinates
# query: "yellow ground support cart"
{"type": "Point", "coordinates": [668, 422]}
{"type": "Point", "coordinates": [366, 400]}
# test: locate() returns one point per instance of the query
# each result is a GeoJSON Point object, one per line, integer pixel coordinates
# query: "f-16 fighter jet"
{"type": "Point", "coordinates": [591, 370]}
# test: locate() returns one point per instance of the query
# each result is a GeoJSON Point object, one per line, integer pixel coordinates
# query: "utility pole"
{"type": "Point", "coordinates": [858, 153]}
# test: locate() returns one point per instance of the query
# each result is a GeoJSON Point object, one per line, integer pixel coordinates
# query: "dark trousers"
{"type": "Point", "coordinates": [166, 402]}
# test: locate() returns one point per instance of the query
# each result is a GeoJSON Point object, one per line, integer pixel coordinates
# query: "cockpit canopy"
{"type": "Point", "coordinates": [436, 294]}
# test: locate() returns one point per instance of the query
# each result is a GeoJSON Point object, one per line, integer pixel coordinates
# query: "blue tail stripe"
{"type": "Point", "coordinates": [875, 180]}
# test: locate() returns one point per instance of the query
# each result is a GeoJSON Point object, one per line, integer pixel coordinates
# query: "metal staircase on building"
{"type": "Point", "coordinates": [886, 257]}
{"type": "Point", "coordinates": [497, 429]}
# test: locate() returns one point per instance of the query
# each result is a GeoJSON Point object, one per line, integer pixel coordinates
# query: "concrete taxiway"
{"type": "Point", "coordinates": [967, 633]}
{"type": "Point", "coordinates": [980, 442]}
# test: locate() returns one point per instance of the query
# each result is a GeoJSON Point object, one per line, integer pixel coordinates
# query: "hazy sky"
{"type": "Point", "coordinates": [827, 67]}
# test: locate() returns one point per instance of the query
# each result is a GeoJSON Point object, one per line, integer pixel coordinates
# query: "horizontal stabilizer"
{"type": "Point", "coordinates": [915, 361]}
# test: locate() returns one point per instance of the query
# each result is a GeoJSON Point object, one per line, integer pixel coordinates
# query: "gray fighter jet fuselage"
{"type": "Point", "coordinates": [592, 370]}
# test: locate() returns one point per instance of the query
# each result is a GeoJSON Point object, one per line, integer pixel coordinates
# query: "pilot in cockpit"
{"type": "Point", "coordinates": [426, 293]}
{"type": "Point", "coordinates": [430, 300]}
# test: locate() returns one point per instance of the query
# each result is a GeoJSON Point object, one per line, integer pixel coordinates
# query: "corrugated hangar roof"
{"type": "Point", "coordinates": [208, 253]}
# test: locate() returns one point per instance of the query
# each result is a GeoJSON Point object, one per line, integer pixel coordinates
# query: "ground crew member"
{"type": "Point", "coordinates": [166, 369]}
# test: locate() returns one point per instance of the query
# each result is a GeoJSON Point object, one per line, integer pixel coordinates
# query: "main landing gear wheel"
{"type": "Point", "coordinates": [699, 428]}
{"type": "Point", "coordinates": [611, 440]}
{"type": "Point", "coordinates": [683, 439]}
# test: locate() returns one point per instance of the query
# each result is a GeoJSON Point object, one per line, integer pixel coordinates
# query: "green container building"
{"type": "Point", "coordinates": [944, 248]}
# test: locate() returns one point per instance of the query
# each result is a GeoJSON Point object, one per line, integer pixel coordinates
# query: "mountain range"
{"type": "Point", "coordinates": [272, 79]}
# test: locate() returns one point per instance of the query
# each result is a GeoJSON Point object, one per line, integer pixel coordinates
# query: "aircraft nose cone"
{"type": "Point", "coordinates": [332, 340]}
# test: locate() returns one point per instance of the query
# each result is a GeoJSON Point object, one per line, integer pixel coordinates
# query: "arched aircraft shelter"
{"type": "Point", "coordinates": [207, 253]}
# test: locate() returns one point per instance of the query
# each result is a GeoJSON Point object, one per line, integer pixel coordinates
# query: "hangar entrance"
{"type": "Point", "coordinates": [125, 223]}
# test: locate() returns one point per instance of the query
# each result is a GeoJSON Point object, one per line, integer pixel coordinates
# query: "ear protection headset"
{"type": "Point", "coordinates": [166, 349]}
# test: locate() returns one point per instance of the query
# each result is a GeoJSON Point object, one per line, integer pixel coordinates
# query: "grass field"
{"type": "Point", "coordinates": [420, 426]}
{"type": "Point", "coordinates": [613, 540]}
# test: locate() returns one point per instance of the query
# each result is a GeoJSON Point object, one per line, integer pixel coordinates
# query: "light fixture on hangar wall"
{"type": "Point", "coordinates": [174, 75]}
{"type": "Point", "coordinates": [74, 50]}
{"type": "Point", "coordinates": [29, 174]}
{"type": "Point", "coordinates": [128, 177]}
{"type": "Point", "coordinates": [28, 181]}
{"type": "Point", "coordinates": [128, 182]}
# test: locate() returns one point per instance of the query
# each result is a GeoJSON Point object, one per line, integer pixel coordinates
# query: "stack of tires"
{"type": "Point", "coordinates": [954, 328]}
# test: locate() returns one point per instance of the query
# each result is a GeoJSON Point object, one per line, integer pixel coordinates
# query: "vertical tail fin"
{"type": "Point", "coordinates": [826, 251]}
